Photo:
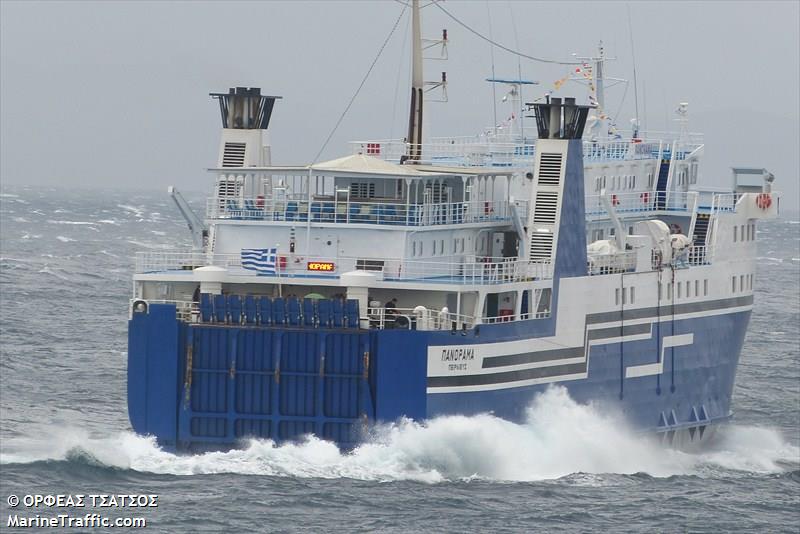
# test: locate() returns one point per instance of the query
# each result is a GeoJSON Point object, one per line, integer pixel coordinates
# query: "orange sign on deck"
{"type": "Point", "coordinates": [325, 266]}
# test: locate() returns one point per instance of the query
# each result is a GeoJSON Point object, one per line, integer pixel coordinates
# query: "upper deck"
{"type": "Point", "coordinates": [506, 151]}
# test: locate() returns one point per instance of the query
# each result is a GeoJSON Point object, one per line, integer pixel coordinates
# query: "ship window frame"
{"type": "Point", "coordinates": [741, 283]}
{"type": "Point", "coordinates": [733, 284]}
{"type": "Point", "coordinates": [624, 296]}
{"type": "Point", "coordinates": [735, 228]}
{"type": "Point", "coordinates": [678, 287]}
{"type": "Point", "coordinates": [633, 294]}
{"type": "Point", "coordinates": [616, 297]}
{"type": "Point", "coordinates": [705, 287]}
{"type": "Point", "coordinates": [697, 288]}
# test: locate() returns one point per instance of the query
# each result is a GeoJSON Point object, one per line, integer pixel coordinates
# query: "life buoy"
{"type": "Point", "coordinates": [614, 200]}
{"type": "Point", "coordinates": [764, 200]}
{"type": "Point", "coordinates": [645, 197]}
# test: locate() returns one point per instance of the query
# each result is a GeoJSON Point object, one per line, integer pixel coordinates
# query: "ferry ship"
{"type": "Point", "coordinates": [464, 275]}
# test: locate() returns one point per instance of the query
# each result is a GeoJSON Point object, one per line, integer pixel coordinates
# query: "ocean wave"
{"type": "Point", "coordinates": [65, 239]}
{"type": "Point", "coordinates": [560, 439]}
{"type": "Point", "coordinates": [76, 223]}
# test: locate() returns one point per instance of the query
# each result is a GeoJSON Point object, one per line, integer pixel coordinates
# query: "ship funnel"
{"type": "Point", "coordinates": [557, 120]}
{"type": "Point", "coordinates": [244, 108]}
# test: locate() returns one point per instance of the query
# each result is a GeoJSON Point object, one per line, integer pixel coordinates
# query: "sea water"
{"type": "Point", "coordinates": [65, 279]}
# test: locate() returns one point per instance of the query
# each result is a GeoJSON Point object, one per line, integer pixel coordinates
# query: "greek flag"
{"type": "Point", "coordinates": [260, 260]}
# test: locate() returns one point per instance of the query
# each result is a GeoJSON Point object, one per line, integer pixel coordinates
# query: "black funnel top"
{"type": "Point", "coordinates": [557, 120]}
{"type": "Point", "coordinates": [245, 108]}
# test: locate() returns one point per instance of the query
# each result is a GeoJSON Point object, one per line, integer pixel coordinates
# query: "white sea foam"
{"type": "Point", "coordinates": [560, 439]}
{"type": "Point", "coordinates": [138, 212]}
{"type": "Point", "coordinates": [64, 239]}
{"type": "Point", "coordinates": [150, 245]}
{"type": "Point", "coordinates": [76, 223]}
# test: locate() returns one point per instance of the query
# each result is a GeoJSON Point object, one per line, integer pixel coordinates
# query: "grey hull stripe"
{"type": "Point", "coordinates": [557, 354]}
{"type": "Point", "coordinates": [508, 376]}
{"type": "Point", "coordinates": [533, 357]}
{"type": "Point", "coordinates": [617, 331]}
{"type": "Point", "coordinates": [678, 309]}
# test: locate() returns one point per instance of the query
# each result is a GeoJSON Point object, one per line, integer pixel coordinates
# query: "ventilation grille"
{"type": "Point", "coordinates": [228, 187]}
{"type": "Point", "coordinates": [550, 169]}
{"type": "Point", "coordinates": [233, 156]}
{"type": "Point", "coordinates": [541, 246]}
{"type": "Point", "coordinates": [546, 207]}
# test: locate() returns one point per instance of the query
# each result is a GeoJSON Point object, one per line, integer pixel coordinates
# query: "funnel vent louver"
{"type": "Point", "coordinates": [550, 169]}
{"type": "Point", "coordinates": [546, 207]}
{"type": "Point", "coordinates": [541, 246]}
{"type": "Point", "coordinates": [233, 155]}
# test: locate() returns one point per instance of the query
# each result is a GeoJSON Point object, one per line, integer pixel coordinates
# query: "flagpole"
{"type": "Point", "coordinates": [278, 269]}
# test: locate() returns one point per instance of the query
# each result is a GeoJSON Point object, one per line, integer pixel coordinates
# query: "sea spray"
{"type": "Point", "coordinates": [560, 438]}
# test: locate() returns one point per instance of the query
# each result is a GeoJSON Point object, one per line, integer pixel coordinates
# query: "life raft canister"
{"type": "Point", "coordinates": [615, 200]}
{"type": "Point", "coordinates": [764, 200]}
{"type": "Point", "coordinates": [645, 197]}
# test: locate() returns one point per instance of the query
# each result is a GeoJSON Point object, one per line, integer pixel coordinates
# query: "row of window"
{"type": "Point", "coordinates": [744, 232]}
{"type": "Point", "coordinates": [617, 183]}
{"type": "Point", "coordinates": [687, 289]}
{"type": "Point", "coordinates": [621, 295]}
{"type": "Point", "coordinates": [438, 246]}
{"type": "Point", "coordinates": [743, 282]}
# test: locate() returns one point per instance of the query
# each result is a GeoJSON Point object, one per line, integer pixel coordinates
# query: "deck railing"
{"type": "Point", "coordinates": [486, 150]}
{"type": "Point", "coordinates": [356, 212]}
{"type": "Point", "coordinates": [641, 202]}
{"type": "Point", "coordinates": [450, 270]}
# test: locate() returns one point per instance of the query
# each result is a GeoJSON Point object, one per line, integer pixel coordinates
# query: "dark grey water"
{"type": "Point", "coordinates": [64, 287]}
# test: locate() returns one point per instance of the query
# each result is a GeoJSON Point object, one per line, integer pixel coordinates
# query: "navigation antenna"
{"type": "Point", "coordinates": [419, 86]}
{"type": "Point", "coordinates": [597, 66]}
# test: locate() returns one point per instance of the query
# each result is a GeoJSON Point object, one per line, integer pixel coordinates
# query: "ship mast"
{"type": "Point", "coordinates": [414, 139]}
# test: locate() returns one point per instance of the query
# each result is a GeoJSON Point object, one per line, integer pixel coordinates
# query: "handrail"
{"type": "Point", "coordinates": [386, 212]}
{"type": "Point", "coordinates": [450, 270]}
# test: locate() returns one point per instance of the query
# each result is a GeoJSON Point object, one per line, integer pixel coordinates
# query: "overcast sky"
{"type": "Point", "coordinates": [116, 93]}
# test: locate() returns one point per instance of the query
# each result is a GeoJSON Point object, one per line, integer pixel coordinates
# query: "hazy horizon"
{"type": "Point", "coordinates": [116, 94]}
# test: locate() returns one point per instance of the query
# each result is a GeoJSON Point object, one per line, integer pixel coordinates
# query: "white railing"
{"type": "Point", "coordinates": [419, 318]}
{"type": "Point", "coordinates": [475, 151]}
{"type": "Point", "coordinates": [612, 263]}
{"type": "Point", "coordinates": [482, 151]}
{"type": "Point", "coordinates": [642, 201]}
{"type": "Point", "coordinates": [724, 202]}
{"type": "Point", "coordinates": [606, 149]}
{"type": "Point", "coordinates": [451, 270]}
{"type": "Point", "coordinates": [355, 212]}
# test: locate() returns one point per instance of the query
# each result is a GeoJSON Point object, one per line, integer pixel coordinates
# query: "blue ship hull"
{"type": "Point", "coordinates": [197, 386]}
